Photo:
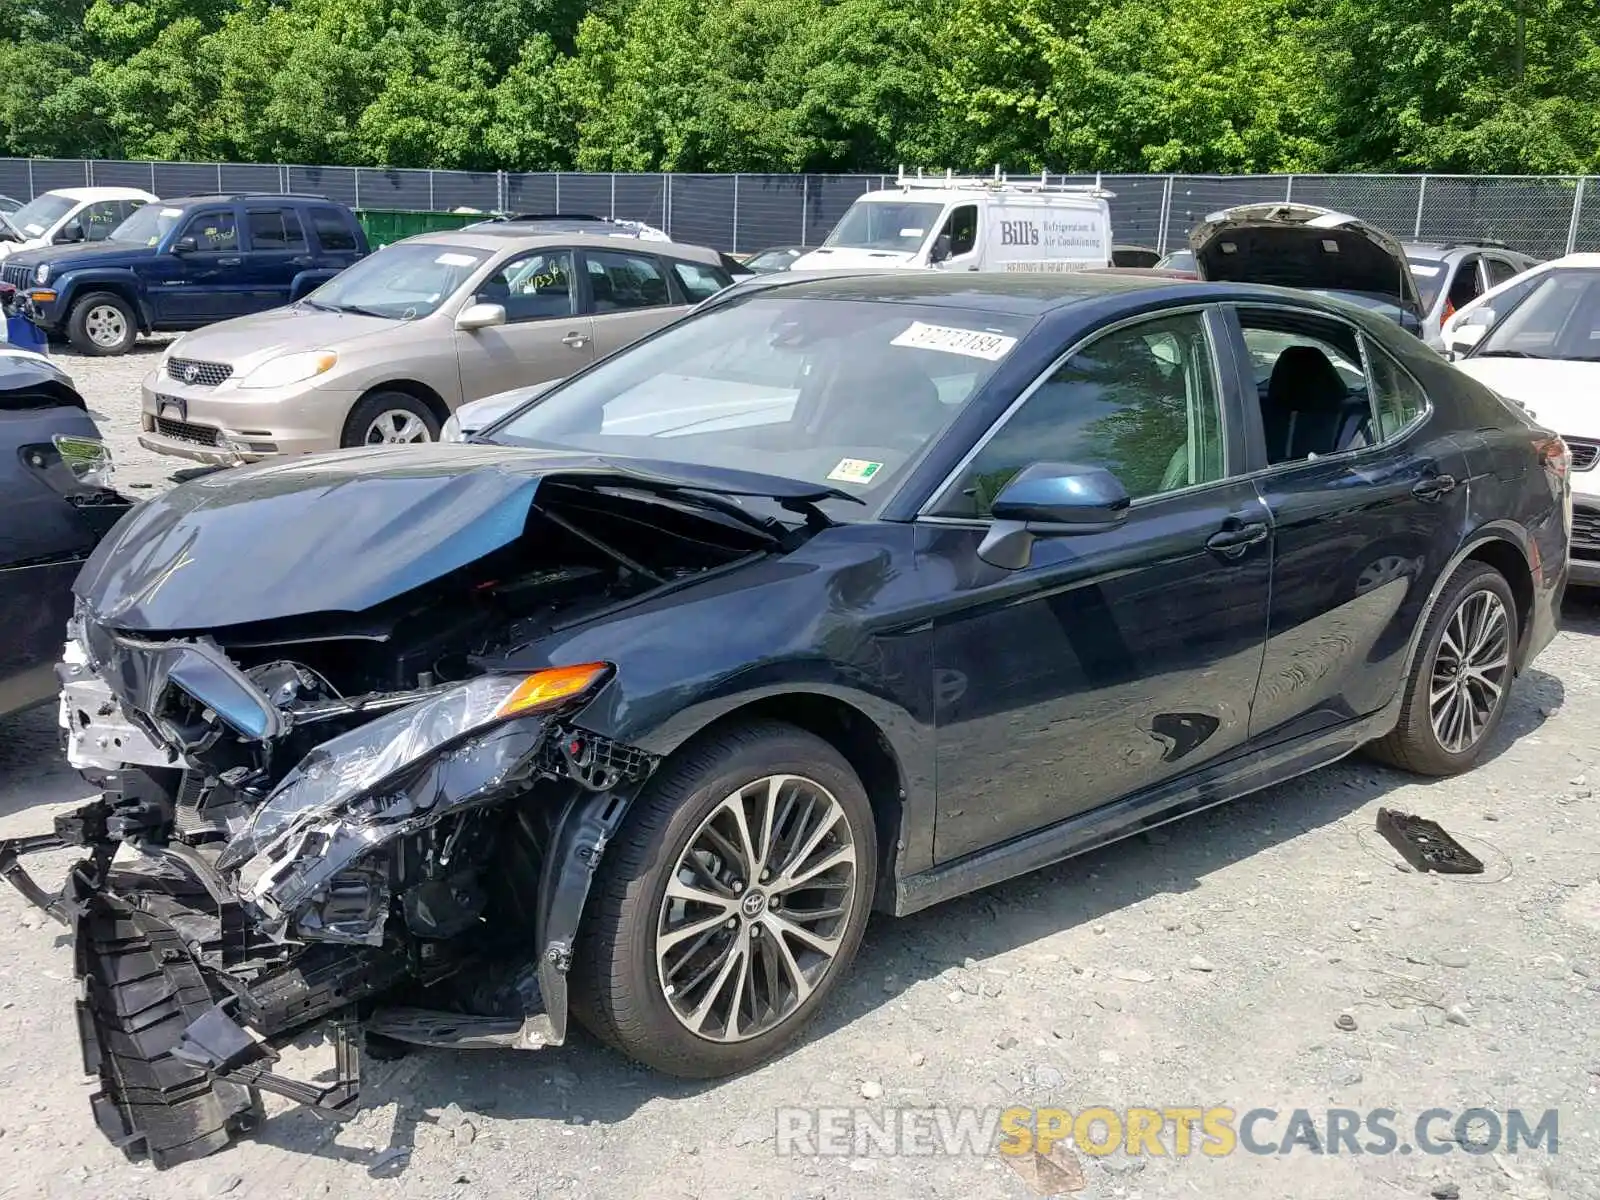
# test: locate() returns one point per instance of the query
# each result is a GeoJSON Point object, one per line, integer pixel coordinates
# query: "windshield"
{"type": "Point", "coordinates": [1558, 318]}
{"type": "Point", "coordinates": [35, 217]}
{"type": "Point", "coordinates": [402, 281]}
{"type": "Point", "coordinates": [1430, 275]}
{"type": "Point", "coordinates": [884, 225]}
{"type": "Point", "coordinates": [148, 225]}
{"type": "Point", "coordinates": [842, 393]}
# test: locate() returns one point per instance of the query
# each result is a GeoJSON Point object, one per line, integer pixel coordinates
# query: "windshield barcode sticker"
{"type": "Point", "coordinates": [972, 342]}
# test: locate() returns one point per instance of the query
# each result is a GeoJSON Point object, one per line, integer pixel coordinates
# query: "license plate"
{"type": "Point", "coordinates": [177, 410]}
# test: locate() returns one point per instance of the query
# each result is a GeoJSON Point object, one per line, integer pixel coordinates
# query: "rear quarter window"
{"type": "Point", "coordinates": [1397, 398]}
{"type": "Point", "coordinates": [333, 228]}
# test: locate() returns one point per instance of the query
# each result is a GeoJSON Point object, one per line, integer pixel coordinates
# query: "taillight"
{"type": "Point", "coordinates": [1554, 456]}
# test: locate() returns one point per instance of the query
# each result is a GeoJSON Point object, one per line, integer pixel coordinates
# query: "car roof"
{"type": "Point", "coordinates": [233, 197]}
{"type": "Point", "coordinates": [1446, 249]}
{"type": "Point", "coordinates": [503, 235]}
{"type": "Point", "coordinates": [101, 193]}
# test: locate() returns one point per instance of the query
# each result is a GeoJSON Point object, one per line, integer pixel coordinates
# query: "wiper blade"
{"type": "Point", "coordinates": [359, 311]}
{"type": "Point", "coordinates": [1507, 354]}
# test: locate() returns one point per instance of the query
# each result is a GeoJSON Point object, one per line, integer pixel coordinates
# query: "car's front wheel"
{"type": "Point", "coordinates": [102, 324]}
{"type": "Point", "coordinates": [730, 904]}
{"type": "Point", "coordinates": [1461, 678]}
{"type": "Point", "coordinates": [390, 419]}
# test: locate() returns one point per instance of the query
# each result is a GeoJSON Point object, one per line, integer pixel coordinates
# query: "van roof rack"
{"type": "Point", "coordinates": [1002, 182]}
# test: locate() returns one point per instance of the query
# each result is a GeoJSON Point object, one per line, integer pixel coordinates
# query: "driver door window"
{"type": "Point", "coordinates": [213, 232]}
{"type": "Point", "coordinates": [962, 230]}
{"type": "Point", "coordinates": [535, 287]}
{"type": "Point", "coordinates": [1141, 401]}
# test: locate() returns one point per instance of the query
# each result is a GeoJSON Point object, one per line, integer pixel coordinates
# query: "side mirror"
{"type": "Point", "coordinates": [1465, 337]}
{"type": "Point", "coordinates": [72, 231]}
{"type": "Point", "coordinates": [1411, 323]}
{"type": "Point", "coordinates": [185, 245]}
{"type": "Point", "coordinates": [941, 249]}
{"type": "Point", "coordinates": [1051, 500]}
{"type": "Point", "coordinates": [480, 316]}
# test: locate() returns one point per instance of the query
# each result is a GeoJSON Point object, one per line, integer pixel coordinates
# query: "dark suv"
{"type": "Point", "coordinates": [180, 264]}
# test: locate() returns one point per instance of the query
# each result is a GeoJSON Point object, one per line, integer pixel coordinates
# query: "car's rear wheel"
{"type": "Point", "coordinates": [390, 419]}
{"type": "Point", "coordinates": [730, 904]}
{"type": "Point", "coordinates": [1461, 680]}
{"type": "Point", "coordinates": [102, 324]}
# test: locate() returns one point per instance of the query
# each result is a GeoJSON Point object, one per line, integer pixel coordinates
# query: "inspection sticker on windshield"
{"type": "Point", "coordinates": [855, 470]}
{"type": "Point", "coordinates": [455, 260]}
{"type": "Point", "coordinates": [971, 342]}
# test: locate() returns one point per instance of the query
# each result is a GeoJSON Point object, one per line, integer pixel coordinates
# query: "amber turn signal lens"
{"type": "Point", "coordinates": [544, 688]}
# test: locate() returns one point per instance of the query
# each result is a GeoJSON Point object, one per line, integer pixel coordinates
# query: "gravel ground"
{"type": "Point", "coordinates": [1213, 963]}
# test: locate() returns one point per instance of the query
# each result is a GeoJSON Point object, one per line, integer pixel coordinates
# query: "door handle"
{"type": "Point", "coordinates": [228, 262]}
{"type": "Point", "coordinates": [1433, 486]}
{"type": "Point", "coordinates": [1233, 541]}
{"type": "Point", "coordinates": [303, 260]}
{"type": "Point", "coordinates": [575, 340]}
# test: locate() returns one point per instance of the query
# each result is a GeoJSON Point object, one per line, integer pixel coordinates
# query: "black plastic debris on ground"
{"type": "Point", "coordinates": [1425, 845]}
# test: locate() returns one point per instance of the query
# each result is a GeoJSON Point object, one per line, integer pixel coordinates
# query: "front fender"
{"type": "Point", "coordinates": [79, 282]}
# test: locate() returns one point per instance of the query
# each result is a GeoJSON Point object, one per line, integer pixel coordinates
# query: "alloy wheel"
{"type": "Point", "coordinates": [105, 325]}
{"type": "Point", "coordinates": [396, 427]}
{"type": "Point", "coordinates": [1470, 670]}
{"type": "Point", "coordinates": [756, 908]}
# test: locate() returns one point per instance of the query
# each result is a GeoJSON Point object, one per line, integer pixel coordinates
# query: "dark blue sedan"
{"type": "Point", "coordinates": [840, 593]}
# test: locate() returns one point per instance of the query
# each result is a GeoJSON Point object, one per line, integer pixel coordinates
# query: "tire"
{"type": "Point", "coordinates": [400, 413]}
{"type": "Point", "coordinates": [102, 324]}
{"type": "Point", "coordinates": [1416, 743]}
{"type": "Point", "coordinates": [620, 990]}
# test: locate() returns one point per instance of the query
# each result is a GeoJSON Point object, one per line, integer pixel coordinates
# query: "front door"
{"type": "Point", "coordinates": [961, 228]}
{"type": "Point", "coordinates": [203, 284]}
{"type": "Point", "coordinates": [1368, 500]}
{"type": "Point", "coordinates": [543, 337]}
{"type": "Point", "coordinates": [1115, 660]}
{"type": "Point", "coordinates": [628, 296]}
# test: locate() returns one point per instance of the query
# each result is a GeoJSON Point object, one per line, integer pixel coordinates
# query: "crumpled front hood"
{"type": "Point", "coordinates": [343, 532]}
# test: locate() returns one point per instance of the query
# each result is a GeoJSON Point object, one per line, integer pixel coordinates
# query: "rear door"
{"type": "Point", "coordinates": [276, 250]}
{"type": "Point", "coordinates": [334, 238]}
{"type": "Point", "coordinates": [543, 338]}
{"type": "Point", "coordinates": [1367, 495]}
{"type": "Point", "coordinates": [627, 294]}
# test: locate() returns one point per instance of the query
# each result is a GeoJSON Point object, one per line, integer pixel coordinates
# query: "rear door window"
{"type": "Point", "coordinates": [620, 282]}
{"type": "Point", "coordinates": [699, 282]}
{"type": "Point", "coordinates": [275, 229]}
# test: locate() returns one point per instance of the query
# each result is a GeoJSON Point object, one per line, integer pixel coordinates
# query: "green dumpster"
{"type": "Point", "coordinates": [388, 225]}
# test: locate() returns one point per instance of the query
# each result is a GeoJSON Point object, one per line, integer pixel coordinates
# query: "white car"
{"type": "Point", "coordinates": [86, 214]}
{"type": "Point", "coordinates": [1535, 340]}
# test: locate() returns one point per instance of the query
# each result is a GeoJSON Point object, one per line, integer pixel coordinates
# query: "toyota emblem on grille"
{"type": "Point", "coordinates": [191, 372]}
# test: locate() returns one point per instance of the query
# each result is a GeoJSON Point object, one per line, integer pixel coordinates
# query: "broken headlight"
{"type": "Point", "coordinates": [347, 767]}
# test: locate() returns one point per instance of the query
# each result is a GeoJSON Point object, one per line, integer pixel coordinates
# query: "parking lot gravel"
{"type": "Point", "coordinates": [1271, 953]}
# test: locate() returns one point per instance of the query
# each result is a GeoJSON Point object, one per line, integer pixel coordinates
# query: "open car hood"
{"type": "Point", "coordinates": [342, 532]}
{"type": "Point", "coordinates": [1301, 246]}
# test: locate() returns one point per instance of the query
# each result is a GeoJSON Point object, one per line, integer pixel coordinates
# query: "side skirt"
{"type": "Point", "coordinates": [1170, 801]}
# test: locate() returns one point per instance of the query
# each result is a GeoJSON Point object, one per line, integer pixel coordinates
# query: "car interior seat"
{"type": "Point", "coordinates": [1308, 409]}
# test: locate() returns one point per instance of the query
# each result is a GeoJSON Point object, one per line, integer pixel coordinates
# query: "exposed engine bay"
{"type": "Point", "coordinates": [358, 817]}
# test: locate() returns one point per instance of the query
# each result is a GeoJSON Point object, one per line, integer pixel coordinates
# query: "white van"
{"type": "Point", "coordinates": [970, 224]}
{"type": "Point", "coordinates": [86, 214]}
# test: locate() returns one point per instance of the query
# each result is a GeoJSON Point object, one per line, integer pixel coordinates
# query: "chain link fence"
{"type": "Point", "coordinates": [1540, 215]}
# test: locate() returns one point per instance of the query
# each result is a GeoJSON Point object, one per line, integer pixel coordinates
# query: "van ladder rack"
{"type": "Point", "coordinates": [1001, 182]}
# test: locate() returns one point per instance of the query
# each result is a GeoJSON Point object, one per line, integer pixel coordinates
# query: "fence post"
{"type": "Point", "coordinates": [736, 212]}
{"type": "Point", "coordinates": [1422, 194]}
{"type": "Point", "coordinates": [219, 177]}
{"type": "Point", "coordinates": [1166, 217]}
{"type": "Point", "coordinates": [357, 170]}
{"type": "Point", "coordinates": [666, 203]}
{"type": "Point", "coordinates": [1577, 209]}
{"type": "Point", "coordinates": [558, 191]}
{"type": "Point", "coordinates": [432, 207]}
{"type": "Point", "coordinates": [32, 193]}
{"type": "Point", "coordinates": [805, 203]}
{"type": "Point", "coordinates": [613, 195]}
{"type": "Point", "coordinates": [1288, 191]}
{"type": "Point", "coordinates": [152, 178]}
{"type": "Point", "coordinates": [88, 172]}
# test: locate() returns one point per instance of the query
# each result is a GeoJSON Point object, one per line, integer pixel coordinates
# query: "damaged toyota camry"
{"type": "Point", "coordinates": [838, 595]}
